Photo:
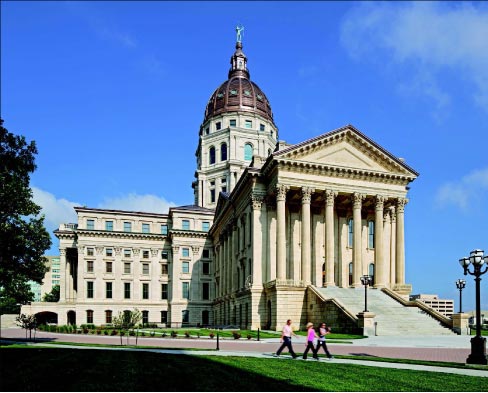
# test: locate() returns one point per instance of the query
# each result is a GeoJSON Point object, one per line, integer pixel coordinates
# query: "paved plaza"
{"type": "Point", "coordinates": [437, 348]}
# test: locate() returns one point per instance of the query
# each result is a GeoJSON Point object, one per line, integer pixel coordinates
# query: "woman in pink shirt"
{"type": "Point", "coordinates": [310, 337]}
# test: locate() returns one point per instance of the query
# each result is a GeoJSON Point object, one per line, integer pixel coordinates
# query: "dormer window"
{"type": "Point", "coordinates": [233, 92]}
{"type": "Point", "coordinates": [248, 124]}
{"type": "Point", "coordinates": [259, 97]}
{"type": "Point", "coordinates": [218, 125]}
{"type": "Point", "coordinates": [220, 95]}
{"type": "Point", "coordinates": [247, 93]}
{"type": "Point", "coordinates": [232, 122]}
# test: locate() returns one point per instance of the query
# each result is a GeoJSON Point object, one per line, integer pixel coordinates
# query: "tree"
{"type": "Point", "coordinates": [52, 296]}
{"type": "Point", "coordinates": [125, 321]}
{"type": "Point", "coordinates": [27, 322]}
{"type": "Point", "coordinates": [23, 236]}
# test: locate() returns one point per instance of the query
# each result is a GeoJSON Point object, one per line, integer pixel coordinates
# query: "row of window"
{"type": "Point", "coordinates": [127, 253]}
{"type": "Point", "coordinates": [109, 268]}
{"type": "Point", "coordinates": [185, 286]}
{"type": "Point", "coordinates": [185, 225]}
{"type": "Point", "coordinates": [185, 316]}
{"type": "Point", "coordinates": [248, 152]}
{"type": "Point", "coordinates": [127, 226]}
{"type": "Point", "coordinates": [350, 236]}
{"type": "Point", "coordinates": [233, 123]}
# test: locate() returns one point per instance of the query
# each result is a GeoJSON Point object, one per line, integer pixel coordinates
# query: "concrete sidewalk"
{"type": "Point", "coordinates": [435, 348]}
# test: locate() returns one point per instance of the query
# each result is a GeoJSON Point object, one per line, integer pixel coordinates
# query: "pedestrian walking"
{"type": "Point", "coordinates": [310, 337]}
{"type": "Point", "coordinates": [323, 331]}
{"type": "Point", "coordinates": [286, 334]}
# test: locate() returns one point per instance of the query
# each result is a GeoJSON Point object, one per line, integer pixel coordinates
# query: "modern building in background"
{"type": "Point", "coordinates": [276, 231]}
{"type": "Point", "coordinates": [444, 306]}
{"type": "Point", "coordinates": [51, 278]}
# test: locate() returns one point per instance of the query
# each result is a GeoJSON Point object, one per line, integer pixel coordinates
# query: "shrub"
{"type": "Point", "coordinates": [236, 335]}
{"type": "Point", "coordinates": [122, 333]}
{"type": "Point", "coordinates": [249, 336]}
{"type": "Point", "coordinates": [187, 334]}
{"type": "Point", "coordinates": [114, 332]}
{"type": "Point", "coordinates": [85, 330]}
{"type": "Point", "coordinates": [105, 332]}
{"type": "Point", "coordinates": [174, 334]}
{"type": "Point", "coordinates": [211, 334]}
{"type": "Point", "coordinates": [99, 331]}
{"type": "Point", "coordinates": [152, 333]}
{"type": "Point", "coordinates": [198, 334]}
{"type": "Point", "coordinates": [132, 333]}
{"type": "Point", "coordinates": [143, 334]}
{"type": "Point", "coordinates": [164, 334]}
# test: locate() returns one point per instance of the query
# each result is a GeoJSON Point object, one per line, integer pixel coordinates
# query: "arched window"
{"type": "Point", "coordinates": [370, 234]}
{"type": "Point", "coordinates": [211, 155]}
{"type": "Point", "coordinates": [350, 273]}
{"type": "Point", "coordinates": [371, 272]}
{"type": "Point", "coordinates": [350, 225]}
{"type": "Point", "coordinates": [247, 152]}
{"type": "Point", "coordinates": [223, 152]}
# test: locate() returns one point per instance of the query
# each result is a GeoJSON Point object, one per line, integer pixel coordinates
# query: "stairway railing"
{"type": "Point", "coordinates": [424, 307]}
{"type": "Point", "coordinates": [337, 302]}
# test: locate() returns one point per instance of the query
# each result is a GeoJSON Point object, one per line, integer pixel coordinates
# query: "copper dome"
{"type": "Point", "coordinates": [238, 93]}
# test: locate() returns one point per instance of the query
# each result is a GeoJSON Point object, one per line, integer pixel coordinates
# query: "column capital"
{"type": "Point", "coordinates": [257, 201]}
{"type": "Point", "coordinates": [136, 251]}
{"type": "Point", "coordinates": [118, 250]}
{"type": "Point", "coordinates": [357, 199]}
{"type": "Point", "coordinates": [330, 196]}
{"type": "Point", "coordinates": [307, 194]}
{"type": "Point", "coordinates": [99, 250]}
{"type": "Point", "coordinates": [195, 250]}
{"type": "Point", "coordinates": [393, 214]}
{"type": "Point", "coordinates": [400, 204]}
{"type": "Point", "coordinates": [281, 190]}
{"type": "Point", "coordinates": [154, 252]}
{"type": "Point", "coordinates": [62, 252]}
{"type": "Point", "coordinates": [379, 202]}
{"type": "Point", "coordinates": [81, 250]}
{"type": "Point", "coordinates": [175, 249]}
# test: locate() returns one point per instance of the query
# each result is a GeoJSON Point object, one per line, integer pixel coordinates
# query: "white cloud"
{"type": "Point", "coordinates": [464, 192]}
{"type": "Point", "coordinates": [141, 203]}
{"type": "Point", "coordinates": [57, 211]}
{"type": "Point", "coordinates": [423, 36]}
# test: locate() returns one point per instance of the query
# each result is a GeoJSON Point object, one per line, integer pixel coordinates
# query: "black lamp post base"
{"type": "Point", "coordinates": [478, 351]}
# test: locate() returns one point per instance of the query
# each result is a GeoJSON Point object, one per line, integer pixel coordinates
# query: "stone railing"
{"type": "Point", "coordinates": [337, 302]}
{"type": "Point", "coordinates": [69, 226]}
{"type": "Point", "coordinates": [285, 283]}
{"type": "Point", "coordinates": [424, 307]}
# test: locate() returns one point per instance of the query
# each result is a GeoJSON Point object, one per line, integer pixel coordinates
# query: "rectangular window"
{"type": "Point", "coordinates": [185, 252]}
{"type": "Point", "coordinates": [207, 130]}
{"type": "Point", "coordinates": [109, 252]}
{"type": "Point", "coordinates": [164, 269]}
{"type": "Point", "coordinates": [164, 229]}
{"type": "Point", "coordinates": [89, 266]}
{"type": "Point", "coordinates": [185, 290]}
{"type": "Point", "coordinates": [206, 253]}
{"type": "Point", "coordinates": [224, 189]}
{"type": "Point", "coordinates": [89, 251]}
{"type": "Point", "coordinates": [108, 267]}
{"type": "Point", "coordinates": [145, 269]}
{"type": "Point", "coordinates": [109, 225]}
{"type": "Point", "coordinates": [350, 225]}
{"type": "Point", "coordinates": [164, 316]}
{"type": "Point", "coordinates": [145, 228]}
{"type": "Point", "coordinates": [232, 122]}
{"type": "Point", "coordinates": [205, 226]}
{"type": "Point", "coordinates": [218, 125]}
{"type": "Point", "coordinates": [185, 267]}
{"type": "Point", "coordinates": [90, 224]}
{"type": "Point", "coordinates": [185, 316]}
{"type": "Point", "coordinates": [185, 225]}
{"type": "Point", "coordinates": [212, 196]}
{"type": "Point", "coordinates": [164, 254]}
{"type": "Point", "coordinates": [127, 253]}
{"type": "Point", "coordinates": [206, 268]}
{"type": "Point", "coordinates": [145, 317]}
{"type": "Point", "coordinates": [262, 127]}
{"type": "Point", "coordinates": [89, 316]}
{"type": "Point", "coordinates": [126, 267]}
{"type": "Point", "coordinates": [108, 290]}
{"type": "Point", "coordinates": [145, 254]}
{"type": "Point", "coordinates": [127, 226]}
{"type": "Point", "coordinates": [145, 291]}
{"type": "Point", "coordinates": [126, 290]}
{"type": "Point", "coordinates": [206, 291]}
{"type": "Point", "coordinates": [248, 124]}
{"type": "Point", "coordinates": [89, 289]}
{"type": "Point", "coordinates": [370, 234]}
{"type": "Point", "coordinates": [108, 316]}
{"type": "Point", "coordinates": [164, 291]}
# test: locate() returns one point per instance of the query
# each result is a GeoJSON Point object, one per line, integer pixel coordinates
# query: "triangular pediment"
{"type": "Point", "coordinates": [345, 148]}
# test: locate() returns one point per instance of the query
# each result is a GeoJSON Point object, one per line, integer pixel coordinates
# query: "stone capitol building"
{"type": "Point", "coordinates": [276, 231]}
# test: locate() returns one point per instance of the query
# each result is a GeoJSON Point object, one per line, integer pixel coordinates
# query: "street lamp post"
{"type": "Point", "coordinates": [478, 343]}
{"type": "Point", "coordinates": [460, 284]}
{"type": "Point", "coordinates": [366, 280]}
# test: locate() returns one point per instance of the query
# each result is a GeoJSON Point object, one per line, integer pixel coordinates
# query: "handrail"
{"type": "Point", "coordinates": [417, 303]}
{"type": "Point", "coordinates": [335, 301]}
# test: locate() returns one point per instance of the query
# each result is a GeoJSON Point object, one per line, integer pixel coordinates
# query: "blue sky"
{"type": "Point", "coordinates": [114, 93]}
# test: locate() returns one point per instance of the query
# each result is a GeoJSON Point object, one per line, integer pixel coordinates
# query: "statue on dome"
{"type": "Point", "coordinates": [239, 30]}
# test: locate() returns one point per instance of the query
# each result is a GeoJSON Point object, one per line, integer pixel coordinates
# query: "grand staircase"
{"type": "Point", "coordinates": [392, 317]}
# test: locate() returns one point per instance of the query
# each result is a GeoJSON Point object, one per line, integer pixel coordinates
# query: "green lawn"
{"type": "Point", "coordinates": [49, 369]}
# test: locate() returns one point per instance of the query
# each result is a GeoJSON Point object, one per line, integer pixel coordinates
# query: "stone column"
{"type": "Point", "coordinates": [329, 238]}
{"type": "Point", "coordinates": [400, 242]}
{"type": "Point", "coordinates": [235, 284]}
{"type": "Point", "coordinates": [280, 232]}
{"type": "Point", "coordinates": [386, 246]}
{"type": "Point", "coordinates": [379, 260]}
{"type": "Point", "coordinates": [63, 273]}
{"type": "Point", "coordinates": [356, 251]}
{"type": "Point", "coordinates": [306, 241]}
{"type": "Point", "coordinates": [393, 246]}
{"type": "Point", "coordinates": [257, 243]}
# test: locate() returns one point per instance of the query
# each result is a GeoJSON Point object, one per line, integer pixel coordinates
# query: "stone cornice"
{"type": "Point", "coordinates": [190, 234]}
{"type": "Point", "coordinates": [120, 235]}
{"type": "Point", "coordinates": [61, 234]}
